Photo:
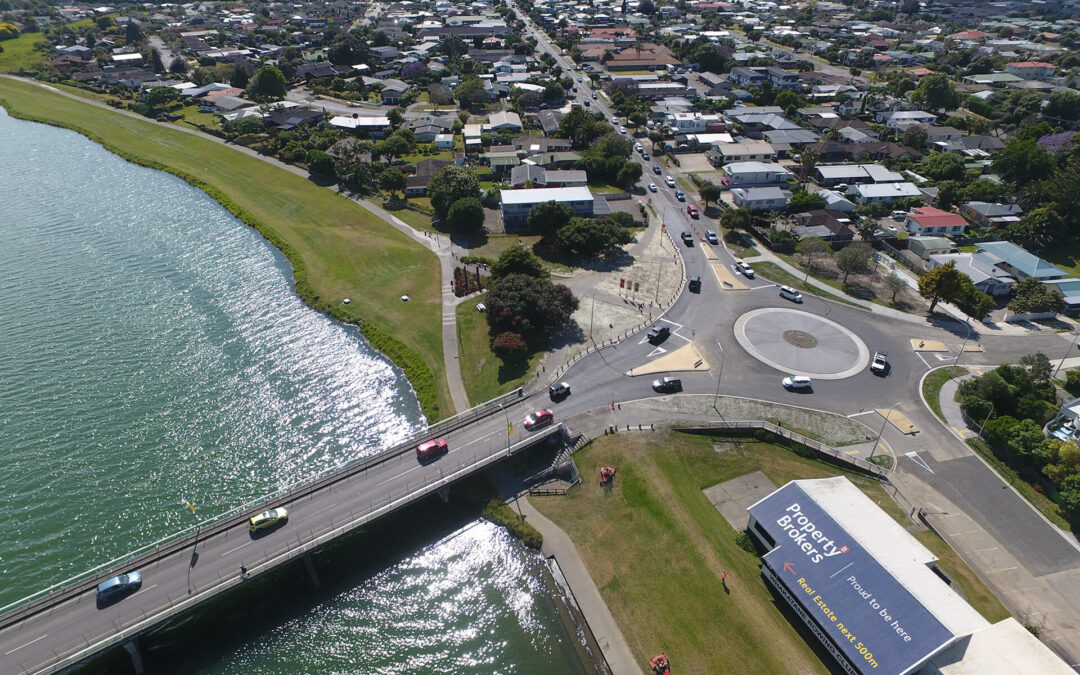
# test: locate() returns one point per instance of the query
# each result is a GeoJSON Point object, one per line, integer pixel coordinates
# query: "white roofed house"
{"type": "Point", "coordinates": [885, 193]}
{"type": "Point", "coordinates": [503, 121]}
{"type": "Point", "coordinates": [755, 174]}
{"type": "Point", "coordinates": [516, 204]}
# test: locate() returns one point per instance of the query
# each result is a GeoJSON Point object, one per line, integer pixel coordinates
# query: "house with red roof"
{"type": "Point", "coordinates": [974, 35]}
{"type": "Point", "coordinates": [927, 220]}
{"type": "Point", "coordinates": [1031, 70]}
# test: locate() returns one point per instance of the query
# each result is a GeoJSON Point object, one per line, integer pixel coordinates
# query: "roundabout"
{"type": "Point", "coordinates": [800, 343]}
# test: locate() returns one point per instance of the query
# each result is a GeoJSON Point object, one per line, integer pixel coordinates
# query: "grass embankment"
{"type": "Point", "coordinates": [485, 375]}
{"type": "Point", "coordinates": [932, 384]}
{"type": "Point", "coordinates": [336, 247]}
{"type": "Point", "coordinates": [656, 548]}
{"type": "Point", "coordinates": [1028, 490]}
{"type": "Point", "coordinates": [19, 54]}
{"type": "Point", "coordinates": [779, 275]}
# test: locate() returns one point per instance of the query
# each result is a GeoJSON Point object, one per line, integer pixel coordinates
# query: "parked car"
{"type": "Point", "coordinates": [119, 587]}
{"type": "Point", "coordinates": [669, 181]}
{"type": "Point", "coordinates": [692, 210]}
{"type": "Point", "coordinates": [622, 130]}
{"type": "Point", "coordinates": [680, 195]}
{"type": "Point", "coordinates": [899, 215]}
{"type": "Point", "coordinates": [665, 384]}
{"type": "Point", "coordinates": [745, 268]}
{"type": "Point", "coordinates": [694, 284]}
{"type": "Point", "coordinates": [539, 418]}
{"type": "Point", "coordinates": [559, 390]}
{"type": "Point", "coordinates": [431, 449]}
{"type": "Point", "coordinates": [615, 121]}
{"type": "Point", "coordinates": [657, 170]}
{"type": "Point", "coordinates": [268, 519]}
{"type": "Point", "coordinates": [790, 293]}
{"type": "Point", "coordinates": [658, 334]}
{"type": "Point", "coordinates": [797, 382]}
{"type": "Point", "coordinates": [711, 237]}
{"type": "Point", "coordinates": [687, 238]}
{"type": "Point", "coordinates": [652, 187]}
{"type": "Point", "coordinates": [880, 364]}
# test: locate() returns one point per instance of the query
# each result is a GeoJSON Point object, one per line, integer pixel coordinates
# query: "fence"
{"type": "Point", "coordinates": [73, 585]}
{"type": "Point", "coordinates": [270, 559]}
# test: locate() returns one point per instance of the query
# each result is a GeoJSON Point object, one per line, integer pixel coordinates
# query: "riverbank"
{"type": "Point", "coordinates": [337, 248]}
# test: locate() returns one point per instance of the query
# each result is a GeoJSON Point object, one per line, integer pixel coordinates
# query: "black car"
{"type": "Point", "coordinates": [688, 238]}
{"type": "Point", "coordinates": [656, 169]}
{"type": "Point", "coordinates": [665, 384]}
{"type": "Point", "coordinates": [658, 334]}
{"type": "Point", "coordinates": [694, 285]}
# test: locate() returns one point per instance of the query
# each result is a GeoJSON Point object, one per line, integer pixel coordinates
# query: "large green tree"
{"type": "Point", "coordinates": [942, 283]}
{"type": "Point", "coordinates": [854, 259]}
{"type": "Point", "coordinates": [518, 260]}
{"type": "Point", "coordinates": [591, 236]}
{"type": "Point", "coordinates": [529, 306]}
{"type": "Point", "coordinates": [449, 185]}
{"type": "Point", "coordinates": [466, 215]}
{"type": "Point", "coordinates": [392, 180]}
{"type": "Point", "coordinates": [1023, 162]}
{"type": "Point", "coordinates": [547, 217]}
{"type": "Point", "coordinates": [268, 84]}
{"type": "Point", "coordinates": [936, 92]}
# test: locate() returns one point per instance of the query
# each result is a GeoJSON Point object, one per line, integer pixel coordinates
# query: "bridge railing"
{"type": "Point", "coordinates": [11, 612]}
{"type": "Point", "coordinates": [296, 548]}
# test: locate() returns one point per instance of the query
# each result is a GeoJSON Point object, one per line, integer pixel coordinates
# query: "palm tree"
{"type": "Point", "coordinates": [808, 159]}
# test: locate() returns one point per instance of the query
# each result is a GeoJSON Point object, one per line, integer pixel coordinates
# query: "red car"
{"type": "Point", "coordinates": [692, 210]}
{"type": "Point", "coordinates": [430, 449]}
{"type": "Point", "coordinates": [539, 418]}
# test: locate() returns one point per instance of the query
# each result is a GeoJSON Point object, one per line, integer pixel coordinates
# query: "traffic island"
{"type": "Point", "coordinates": [684, 359]}
{"type": "Point", "coordinates": [793, 341]}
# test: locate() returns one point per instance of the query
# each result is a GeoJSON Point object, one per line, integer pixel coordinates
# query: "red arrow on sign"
{"type": "Point", "coordinates": [789, 567]}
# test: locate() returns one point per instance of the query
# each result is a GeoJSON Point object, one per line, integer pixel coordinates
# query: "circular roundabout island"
{"type": "Point", "coordinates": [800, 343]}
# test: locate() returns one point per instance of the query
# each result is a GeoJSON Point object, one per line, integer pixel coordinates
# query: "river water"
{"type": "Point", "coordinates": [152, 350]}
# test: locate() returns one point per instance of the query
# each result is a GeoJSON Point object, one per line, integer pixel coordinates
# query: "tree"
{"type": "Point", "coordinates": [466, 215]}
{"type": "Point", "coordinates": [8, 31]}
{"type": "Point", "coordinates": [1038, 367]}
{"type": "Point", "coordinates": [948, 194]}
{"type": "Point", "coordinates": [1023, 162]}
{"type": "Point", "coordinates": [1039, 228]}
{"type": "Point", "coordinates": [710, 192]}
{"type": "Point", "coordinates": [936, 92]}
{"type": "Point", "coordinates": [811, 247]}
{"type": "Point", "coordinates": [788, 100]}
{"type": "Point", "coordinates": [894, 283]}
{"type": "Point", "coordinates": [853, 259]}
{"type": "Point", "coordinates": [809, 159]}
{"type": "Point", "coordinates": [249, 124]}
{"type": "Point", "coordinates": [155, 61]}
{"type": "Point", "coordinates": [519, 260]}
{"type": "Point", "coordinates": [321, 163]}
{"type": "Point", "coordinates": [629, 174]}
{"type": "Point", "coordinates": [133, 34]}
{"type": "Point", "coordinates": [737, 219]}
{"type": "Point", "coordinates": [656, 138]}
{"type": "Point", "coordinates": [179, 66]}
{"type": "Point", "coordinates": [346, 51]}
{"type": "Point", "coordinates": [159, 96]}
{"type": "Point", "coordinates": [974, 302]}
{"type": "Point", "coordinates": [914, 136]}
{"type": "Point", "coordinates": [590, 237]}
{"type": "Point", "coordinates": [529, 306]}
{"type": "Point", "coordinates": [449, 185]}
{"type": "Point", "coordinates": [806, 201]}
{"type": "Point", "coordinates": [546, 218]}
{"type": "Point", "coordinates": [268, 84]}
{"type": "Point", "coordinates": [942, 166]}
{"type": "Point", "coordinates": [1030, 296]}
{"type": "Point", "coordinates": [392, 180]}
{"type": "Point", "coordinates": [395, 116]}
{"type": "Point", "coordinates": [239, 77]}
{"type": "Point", "coordinates": [941, 283]}
{"type": "Point", "coordinates": [509, 346]}
{"type": "Point", "coordinates": [1064, 106]}
{"type": "Point", "coordinates": [470, 91]}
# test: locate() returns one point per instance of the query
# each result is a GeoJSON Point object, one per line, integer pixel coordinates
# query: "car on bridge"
{"type": "Point", "coordinates": [118, 588]}
{"type": "Point", "coordinates": [268, 519]}
{"type": "Point", "coordinates": [666, 384]}
{"type": "Point", "coordinates": [539, 418]}
{"type": "Point", "coordinates": [431, 449]}
{"type": "Point", "coordinates": [559, 390]}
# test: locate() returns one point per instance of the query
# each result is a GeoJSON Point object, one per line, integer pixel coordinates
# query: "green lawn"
{"type": "Point", "coordinates": [417, 156]}
{"type": "Point", "coordinates": [777, 274]}
{"type": "Point", "coordinates": [19, 54]}
{"type": "Point", "coordinates": [485, 375]}
{"type": "Point", "coordinates": [337, 248]}
{"type": "Point", "coordinates": [933, 383]}
{"type": "Point", "coordinates": [656, 547]}
{"type": "Point", "coordinates": [415, 220]}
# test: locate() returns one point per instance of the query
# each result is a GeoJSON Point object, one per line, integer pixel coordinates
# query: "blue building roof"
{"type": "Point", "coordinates": [1028, 264]}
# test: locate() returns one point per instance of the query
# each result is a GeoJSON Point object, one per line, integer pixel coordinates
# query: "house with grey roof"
{"type": "Point", "coordinates": [986, 276]}
{"type": "Point", "coordinates": [1019, 262]}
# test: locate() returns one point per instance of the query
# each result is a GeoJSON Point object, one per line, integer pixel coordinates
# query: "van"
{"type": "Point", "coordinates": [790, 293]}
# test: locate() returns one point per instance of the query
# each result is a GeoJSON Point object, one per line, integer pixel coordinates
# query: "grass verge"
{"type": "Point", "coordinates": [656, 548]}
{"type": "Point", "coordinates": [779, 275]}
{"type": "Point", "coordinates": [485, 375]}
{"type": "Point", "coordinates": [19, 54]}
{"type": "Point", "coordinates": [1040, 501]}
{"type": "Point", "coordinates": [932, 384]}
{"type": "Point", "coordinates": [500, 513]}
{"type": "Point", "coordinates": [337, 248]}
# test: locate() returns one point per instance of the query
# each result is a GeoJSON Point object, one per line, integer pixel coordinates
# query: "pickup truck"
{"type": "Point", "coordinates": [880, 363]}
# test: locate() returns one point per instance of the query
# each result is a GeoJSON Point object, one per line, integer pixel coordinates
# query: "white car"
{"type": "Point", "coordinates": [669, 181]}
{"type": "Point", "coordinates": [615, 121]}
{"type": "Point", "coordinates": [745, 268]}
{"type": "Point", "coordinates": [638, 147]}
{"type": "Point", "coordinates": [622, 130]}
{"type": "Point", "coordinates": [791, 294]}
{"type": "Point", "coordinates": [711, 237]}
{"type": "Point", "coordinates": [652, 187]}
{"type": "Point", "coordinates": [880, 364]}
{"type": "Point", "coordinates": [797, 382]}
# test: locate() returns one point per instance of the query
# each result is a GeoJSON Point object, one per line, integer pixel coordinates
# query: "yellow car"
{"type": "Point", "coordinates": [268, 519]}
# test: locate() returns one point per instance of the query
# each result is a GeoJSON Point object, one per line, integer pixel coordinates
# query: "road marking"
{"type": "Point", "coordinates": [657, 352]}
{"type": "Point", "coordinates": [1003, 569]}
{"type": "Point", "coordinates": [25, 645]}
{"type": "Point", "coordinates": [864, 412]}
{"type": "Point", "coordinates": [983, 550]}
{"type": "Point", "coordinates": [671, 322]}
{"type": "Point", "coordinates": [150, 587]}
{"type": "Point", "coordinates": [235, 549]}
{"type": "Point", "coordinates": [325, 508]}
{"type": "Point", "coordinates": [914, 456]}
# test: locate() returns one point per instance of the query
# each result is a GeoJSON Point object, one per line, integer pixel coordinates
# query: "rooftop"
{"type": "Point", "coordinates": [540, 195]}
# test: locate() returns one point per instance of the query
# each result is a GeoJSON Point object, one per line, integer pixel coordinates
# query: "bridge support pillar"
{"type": "Point", "coordinates": [311, 569]}
{"type": "Point", "coordinates": [132, 647]}
{"type": "Point", "coordinates": [444, 493]}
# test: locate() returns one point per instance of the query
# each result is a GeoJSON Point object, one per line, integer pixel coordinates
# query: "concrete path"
{"type": "Point", "coordinates": [558, 545]}
{"type": "Point", "coordinates": [438, 244]}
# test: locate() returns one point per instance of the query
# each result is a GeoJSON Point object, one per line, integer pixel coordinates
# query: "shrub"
{"type": "Point", "coordinates": [745, 542]}
{"type": "Point", "coordinates": [1072, 382]}
{"type": "Point", "coordinates": [509, 346]}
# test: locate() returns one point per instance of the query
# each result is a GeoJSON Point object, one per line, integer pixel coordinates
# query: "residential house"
{"type": "Point", "coordinates": [416, 184]}
{"type": "Point", "coordinates": [901, 118]}
{"type": "Point", "coordinates": [928, 220]}
{"type": "Point", "coordinates": [835, 201]}
{"type": "Point", "coordinates": [986, 276]}
{"type": "Point", "coordinates": [747, 151]}
{"type": "Point", "coordinates": [761, 198]}
{"type": "Point", "coordinates": [885, 193]}
{"type": "Point", "coordinates": [827, 224]}
{"type": "Point", "coordinates": [393, 90]}
{"type": "Point", "coordinates": [1031, 70]}
{"type": "Point", "coordinates": [361, 123]}
{"type": "Point", "coordinates": [924, 247]}
{"type": "Point", "coordinates": [985, 214]}
{"type": "Point", "coordinates": [503, 121]}
{"type": "Point", "coordinates": [1018, 262]}
{"type": "Point", "coordinates": [642, 56]}
{"type": "Point", "coordinates": [538, 176]}
{"type": "Point", "coordinates": [976, 147]}
{"type": "Point", "coordinates": [516, 204]}
{"type": "Point", "coordinates": [755, 174]}
{"type": "Point", "coordinates": [854, 174]}
{"type": "Point", "coordinates": [444, 141]}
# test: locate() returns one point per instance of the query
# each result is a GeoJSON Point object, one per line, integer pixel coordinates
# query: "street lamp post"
{"type": "Point", "coordinates": [1076, 334]}
{"type": "Point", "coordinates": [962, 346]}
{"type": "Point", "coordinates": [882, 431]}
{"type": "Point", "coordinates": [719, 377]}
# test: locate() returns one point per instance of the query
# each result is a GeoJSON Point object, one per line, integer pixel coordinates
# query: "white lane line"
{"type": "Point", "coordinates": [671, 322]}
{"type": "Point", "coordinates": [150, 587]}
{"type": "Point", "coordinates": [325, 508]}
{"type": "Point", "coordinates": [865, 412]}
{"type": "Point", "coordinates": [1003, 569]}
{"type": "Point", "coordinates": [465, 445]}
{"type": "Point", "coordinates": [235, 549]}
{"type": "Point", "coordinates": [25, 645]}
{"type": "Point", "coordinates": [914, 456]}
